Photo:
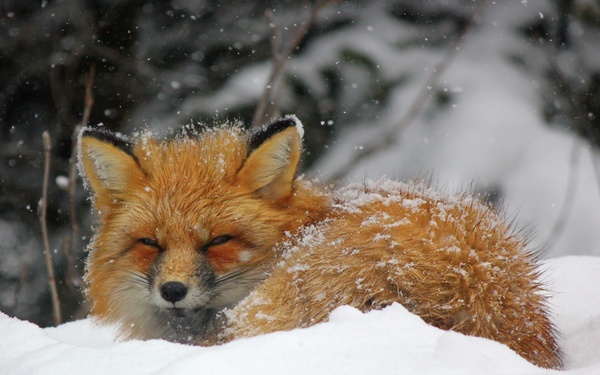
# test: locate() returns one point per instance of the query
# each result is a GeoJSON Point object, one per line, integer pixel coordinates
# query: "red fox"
{"type": "Point", "coordinates": [208, 237]}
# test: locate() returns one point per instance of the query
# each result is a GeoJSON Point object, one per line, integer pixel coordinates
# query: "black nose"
{"type": "Point", "coordinates": [173, 291]}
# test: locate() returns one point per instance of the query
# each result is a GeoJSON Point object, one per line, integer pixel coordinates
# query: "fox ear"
{"type": "Point", "coordinates": [107, 164]}
{"type": "Point", "coordinates": [274, 153]}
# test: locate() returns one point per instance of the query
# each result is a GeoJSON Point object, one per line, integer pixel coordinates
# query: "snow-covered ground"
{"type": "Point", "coordinates": [490, 135]}
{"type": "Point", "coordinates": [391, 341]}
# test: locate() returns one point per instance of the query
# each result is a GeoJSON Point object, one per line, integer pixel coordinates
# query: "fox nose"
{"type": "Point", "coordinates": [173, 291]}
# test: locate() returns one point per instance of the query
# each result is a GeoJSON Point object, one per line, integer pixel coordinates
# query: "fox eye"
{"type": "Point", "coordinates": [220, 240]}
{"type": "Point", "coordinates": [150, 242]}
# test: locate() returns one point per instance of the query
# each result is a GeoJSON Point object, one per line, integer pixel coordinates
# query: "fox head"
{"type": "Point", "coordinates": [187, 226]}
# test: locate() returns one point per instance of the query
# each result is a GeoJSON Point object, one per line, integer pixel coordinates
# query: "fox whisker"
{"type": "Point", "coordinates": [139, 279]}
{"type": "Point", "coordinates": [245, 274]}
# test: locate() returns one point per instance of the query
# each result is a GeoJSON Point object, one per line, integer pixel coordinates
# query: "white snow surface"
{"type": "Point", "coordinates": [390, 341]}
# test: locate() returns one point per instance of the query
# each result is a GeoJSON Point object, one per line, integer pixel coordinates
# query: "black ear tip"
{"type": "Point", "coordinates": [274, 127]}
{"type": "Point", "coordinates": [284, 122]}
{"type": "Point", "coordinates": [115, 139]}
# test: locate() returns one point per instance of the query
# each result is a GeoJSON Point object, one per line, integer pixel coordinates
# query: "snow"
{"type": "Point", "coordinates": [390, 341]}
{"type": "Point", "coordinates": [299, 126]}
{"type": "Point", "coordinates": [491, 135]}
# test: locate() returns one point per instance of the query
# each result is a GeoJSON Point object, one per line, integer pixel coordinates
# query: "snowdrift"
{"type": "Point", "coordinates": [391, 341]}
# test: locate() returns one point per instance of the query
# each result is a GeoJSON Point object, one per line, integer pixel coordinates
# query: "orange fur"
{"type": "Point", "coordinates": [258, 251]}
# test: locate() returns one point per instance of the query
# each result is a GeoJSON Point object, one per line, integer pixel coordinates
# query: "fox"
{"type": "Point", "coordinates": [213, 235]}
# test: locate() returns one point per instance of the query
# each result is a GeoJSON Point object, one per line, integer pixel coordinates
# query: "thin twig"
{"type": "Point", "coordinates": [73, 276]}
{"type": "Point", "coordinates": [42, 217]}
{"type": "Point", "coordinates": [281, 55]}
{"type": "Point", "coordinates": [388, 138]}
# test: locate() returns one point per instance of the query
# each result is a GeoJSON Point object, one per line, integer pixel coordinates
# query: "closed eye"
{"type": "Point", "coordinates": [219, 240]}
{"type": "Point", "coordinates": [150, 242]}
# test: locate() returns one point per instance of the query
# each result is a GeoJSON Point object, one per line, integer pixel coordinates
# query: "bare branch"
{"type": "Point", "coordinates": [388, 138]}
{"type": "Point", "coordinates": [42, 216]}
{"type": "Point", "coordinates": [73, 276]}
{"type": "Point", "coordinates": [281, 55]}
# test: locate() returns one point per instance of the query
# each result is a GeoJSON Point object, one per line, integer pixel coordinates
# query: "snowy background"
{"type": "Point", "coordinates": [512, 115]}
